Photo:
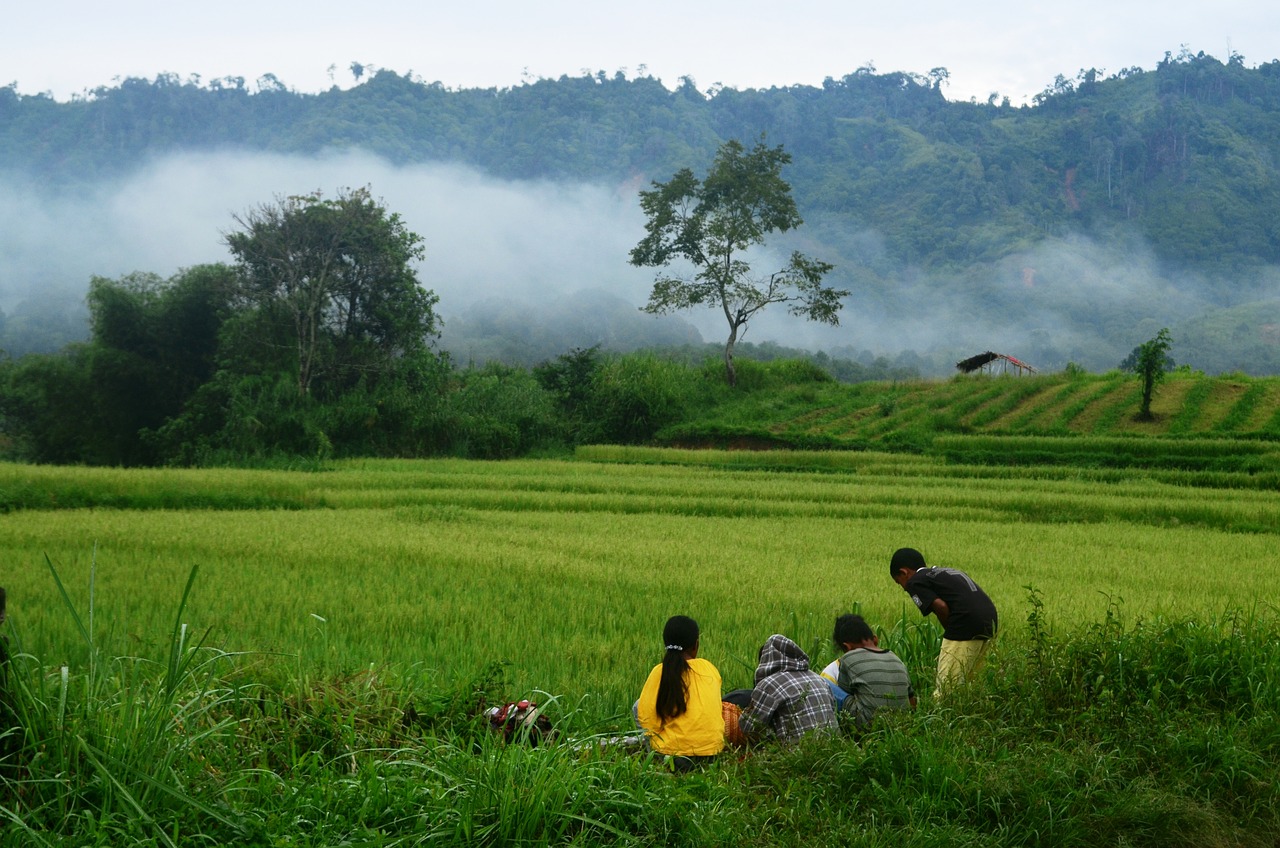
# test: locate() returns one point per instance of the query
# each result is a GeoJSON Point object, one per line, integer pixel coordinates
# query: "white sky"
{"type": "Point", "coordinates": [1014, 47]}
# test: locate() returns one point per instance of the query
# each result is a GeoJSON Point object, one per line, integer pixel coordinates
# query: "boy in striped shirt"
{"type": "Point", "coordinates": [866, 678]}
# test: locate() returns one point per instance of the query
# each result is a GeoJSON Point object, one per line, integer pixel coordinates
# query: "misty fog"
{"type": "Point", "coordinates": [512, 253]}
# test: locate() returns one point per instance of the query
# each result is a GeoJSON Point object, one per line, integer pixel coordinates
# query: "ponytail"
{"type": "Point", "coordinates": [680, 634]}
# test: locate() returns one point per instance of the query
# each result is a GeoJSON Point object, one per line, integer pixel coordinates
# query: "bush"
{"type": "Point", "coordinates": [754, 376]}
{"type": "Point", "coordinates": [569, 378]}
{"type": "Point", "coordinates": [634, 396]}
{"type": "Point", "coordinates": [498, 412]}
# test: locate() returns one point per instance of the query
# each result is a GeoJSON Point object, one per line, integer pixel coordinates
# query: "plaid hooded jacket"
{"type": "Point", "coordinates": [789, 699]}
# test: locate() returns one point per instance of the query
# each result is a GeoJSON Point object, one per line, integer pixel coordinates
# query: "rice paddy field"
{"type": "Point", "coordinates": [1187, 406]}
{"type": "Point", "coordinates": [567, 569]}
{"type": "Point", "coordinates": [372, 590]}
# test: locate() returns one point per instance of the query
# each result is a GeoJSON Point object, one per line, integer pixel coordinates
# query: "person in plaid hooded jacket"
{"type": "Point", "coordinates": [789, 699]}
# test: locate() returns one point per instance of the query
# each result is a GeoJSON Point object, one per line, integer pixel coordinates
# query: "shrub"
{"type": "Point", "coordinates": [755, 376]}
{"type": "Point", "coordinates": [634, 396]}
{"type": "Point", "coordinates": [497, 412]}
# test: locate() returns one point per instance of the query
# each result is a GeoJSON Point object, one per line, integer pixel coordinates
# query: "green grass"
{"type": "Point", "coordinates": [264, 657]}
{"type": "Point", "coordinates": [908, 416]}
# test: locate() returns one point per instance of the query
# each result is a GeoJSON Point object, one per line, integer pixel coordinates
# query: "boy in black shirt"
{"type": "Point", "coordinates": [967, 615]}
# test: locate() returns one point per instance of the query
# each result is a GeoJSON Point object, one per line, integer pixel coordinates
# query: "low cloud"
{"type": "Point", "coordinates": [540, 243]}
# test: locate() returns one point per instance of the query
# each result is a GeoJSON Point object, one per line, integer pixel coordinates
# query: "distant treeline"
{"type": "Point", "coordinates": [923, 204]}
{"type": "Point", "coordinates": [1187, 152]}
{"type": "Point", "coordinates": [224, 365]}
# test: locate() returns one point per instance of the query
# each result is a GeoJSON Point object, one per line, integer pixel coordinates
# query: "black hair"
{"type": "Point", "coordinates": [679, 635]}
{"type": "Point", "coordinates": [852, 629]}
{"type": "Point", "coordinates": [908, 558]}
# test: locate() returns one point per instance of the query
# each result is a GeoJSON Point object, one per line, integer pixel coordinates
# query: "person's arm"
{"type": "Point", "coordinates": [941, 610]}
{"type": "Point", "coordinates": [645, 708]}
{"type": "Point", "coordinates": [756, 720]}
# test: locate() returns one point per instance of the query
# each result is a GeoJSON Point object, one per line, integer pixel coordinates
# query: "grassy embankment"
{"type": "Point", "coordinates": [316, 682]}
{"type": "Point", "coordinates": [911, 415]}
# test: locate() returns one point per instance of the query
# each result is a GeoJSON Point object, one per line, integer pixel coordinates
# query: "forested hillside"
{"type": "Point", "coordinates": [1068, 230]}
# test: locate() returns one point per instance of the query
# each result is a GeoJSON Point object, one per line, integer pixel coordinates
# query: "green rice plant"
{"type": "Point", "coordinates": [1272, 427]}
{"type": "Point", "coordinates": [1109, 451]}
{"type": "Point", "coordinates": [1017, 390]}
{"type": "Point", "coordinates": [952, 417]}
{"type": "Point", "coordinates": [1095, 394]}
{"type": "Point", "coordinates": [1192, 407]}
{"type": "Point", "coordinates": [351, 647]}
{"type": "Point", "coordinates": [1241, 411]}
{"type": "Point", "coordinates": [432, 565]}
{"type": "Point", "coordinates": [1022, 399]}
{"type": "Point", "coordinates": [1032, 411]}
{"type": "Point", "coordinates": [1113, 410]}
{"type": "Point", "coordinates": [911, 408]}
{"type": "Point", "coordinates": [117, 742]}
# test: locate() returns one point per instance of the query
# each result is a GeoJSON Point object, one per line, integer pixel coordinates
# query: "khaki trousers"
{"type": "Point", "coordinates": [959, 662]}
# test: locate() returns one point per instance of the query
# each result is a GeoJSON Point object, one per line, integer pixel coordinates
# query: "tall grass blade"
{"type": "Point", "coordinates": [71, 607]}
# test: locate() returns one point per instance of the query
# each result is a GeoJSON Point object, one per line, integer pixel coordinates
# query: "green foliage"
{"type": "Point", "coordinates": [333, 277]}
{"type": "Point", "coordinates": [1151, 361]}
{"type": "Point", "coordinates": [633, 397]}
{"type": "Point", "coordinates": [194, 369]}
{"type": "Point", "coordinates": [1243, 409]}
{"type": "Point", "coordinates": [154, 343]}
{"type": "Point", "coordinates": [401, 412]}
{"type": "Point", "coordinates": [969, 203]}
{"type": "Point", "coordinates": [1188, 454]}
{"type": "Point", "coordinates": [756, 376]}
{"type": "Point", "coordinates": [1184, 152]}
{"type": "Point", "coordinates": [1093, 730]}
{"type": "Point", "coordinates": [911, 415]}
{"type": "Point", "coordinates": [122, 740]}
{"type": "Point", "coordinates": [47, 411]}
{"type": "Point", "coordinates": [711, 224]}
{"type": "Point", "coordinates": [498, 412]}
{"type": "Point", "coordinates": [570, 378]}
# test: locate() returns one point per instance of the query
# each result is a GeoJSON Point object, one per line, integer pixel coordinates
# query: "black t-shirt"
{"type": "Point", "coordinates": [972, 614]}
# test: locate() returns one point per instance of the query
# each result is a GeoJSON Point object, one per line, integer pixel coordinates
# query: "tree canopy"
{"type": "Point", "coordinates": [1150, 362]}
{"type": "Point", "coordinates": [329, 284]}
{"type": "Point", "coordinates": [981, 216]}
{"type": "Point", "coordinates": [712, 224]}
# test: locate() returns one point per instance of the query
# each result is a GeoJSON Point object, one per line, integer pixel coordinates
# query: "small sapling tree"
{"type": "Point", "coordinates": [1150, 362]}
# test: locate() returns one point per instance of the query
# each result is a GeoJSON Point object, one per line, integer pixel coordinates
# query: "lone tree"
{"type": "Point", "coordinates": [711, 224]}
{"type": "Point", "coordinates": [332, 281]}
{"type": "Point", "coordinates": [1150, 361]}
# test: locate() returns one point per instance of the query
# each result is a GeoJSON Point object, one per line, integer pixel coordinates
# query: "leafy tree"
{"type": "Point", "coordinates": [633, 396]}
{"type": "Point", "coordinates": [497, 412]}
{"type": "Point", "coordinates": [328, 284]}
{"type": "Point", "coordinates": [1150, 362]}
{"type": "Point", "coordinates": [46, 407]}
{"type": "Point", "coordinates": [569, 379]}
{"type": "Point", "coordinates": [153, 344]}
{"type": "Point", "coordinates": [174, 325]}
{"type": "Point", "coordinates": [712, 224]}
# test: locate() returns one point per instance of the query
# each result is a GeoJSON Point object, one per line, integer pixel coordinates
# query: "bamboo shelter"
{"type": "Point", "coordinates": [991, 361]}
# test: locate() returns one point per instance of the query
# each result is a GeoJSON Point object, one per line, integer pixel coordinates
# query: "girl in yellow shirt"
{"type": "Point", "coordinates": [680, 708]}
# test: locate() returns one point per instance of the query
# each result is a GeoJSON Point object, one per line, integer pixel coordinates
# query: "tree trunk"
{"type": "Point", "coordinates": [1148, 388]}
{"type": "Point", "coordinates": [729, 373]}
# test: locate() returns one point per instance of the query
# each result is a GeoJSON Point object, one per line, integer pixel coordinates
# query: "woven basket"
{"type": "Point", "coordinates": [732, 733]}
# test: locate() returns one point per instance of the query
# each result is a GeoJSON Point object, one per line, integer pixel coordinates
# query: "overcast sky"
{"type": "Point", "coordinates": [1014, 47]}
